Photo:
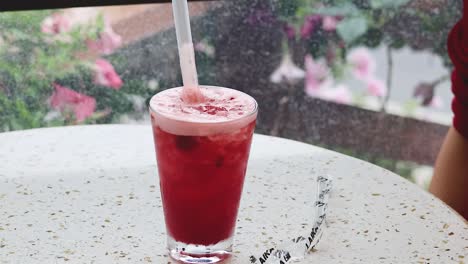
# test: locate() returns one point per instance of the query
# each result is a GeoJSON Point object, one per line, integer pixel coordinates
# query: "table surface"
{"type": "Point", "coordinates": [89, 194]}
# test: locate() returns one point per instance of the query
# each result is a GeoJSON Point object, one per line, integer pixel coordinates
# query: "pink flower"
{"type": "Point", "coordinates": [206, 48]}
{"type": "Point", "coordinates": [376, 87]}
{"type": "Point", "coordinates": [105, 75]}
{"type": "Point", "coordinates": [339, 94]}
{"type": "Point", "coordinates": [287, 71]}
{"type": "Point", "coordinates": [315, 74]}
{"type": "Point", "coordinates": [362, 62]}
{"type": "Point", "coordinates": [107, 42]}
{"type": "Point", "coordinates": [437, 102]}
{"type": "Point", "coordinates": [65, 98]}
{"type": "Point", "coordinates": [327, 91]}
{"type": "Point", "coordinates": [329, 23]}
{"type": "Point", "coordinates": [290, 31]}
{"type": "Point", "coordinates": [310, 25]}
{"type": "Point", "coordinates": [55, 24]}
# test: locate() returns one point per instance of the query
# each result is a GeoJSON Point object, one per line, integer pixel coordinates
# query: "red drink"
{"type": "Point", "coordinates": [201, 182]}
{"type": "Point", "coordinates": [202, 152]}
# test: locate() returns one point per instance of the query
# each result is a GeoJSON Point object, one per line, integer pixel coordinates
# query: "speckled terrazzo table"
{"type": "Point", "coordinates": [90, 195]}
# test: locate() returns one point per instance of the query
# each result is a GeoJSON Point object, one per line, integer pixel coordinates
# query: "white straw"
{"type": "Point", "coordinates": [186, 52]}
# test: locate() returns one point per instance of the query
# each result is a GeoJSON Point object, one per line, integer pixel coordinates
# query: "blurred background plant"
{"type": "Point", "coordinates": [55, 67]}
{"type": "Point", "coordinates": [336, 37]}
{"type": "Point", "coordinates": [52, 71]}
{"type": "Point", "coordinates": [330, 45]}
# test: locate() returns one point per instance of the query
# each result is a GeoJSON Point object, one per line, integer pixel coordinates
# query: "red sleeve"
{"type": "Point", "coordinates": [460, 104]}
{"type": "Point", "coordinates": [457, 49]}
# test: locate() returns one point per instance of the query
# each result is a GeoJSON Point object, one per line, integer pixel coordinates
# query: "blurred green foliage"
{"type": "Point", "coordinates": [31, 61]}
{"type": "Point", "coordinates": [418, 24]}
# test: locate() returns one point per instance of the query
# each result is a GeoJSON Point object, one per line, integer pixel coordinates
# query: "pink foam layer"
{"type": "Point", "coordinates": [224, 110]}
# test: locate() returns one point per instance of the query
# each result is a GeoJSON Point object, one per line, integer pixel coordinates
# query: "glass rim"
{"type": "Point", "coordinates": [250, 114]}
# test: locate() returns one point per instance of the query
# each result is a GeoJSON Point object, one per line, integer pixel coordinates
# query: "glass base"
{"type": "Point", "coordinates": [189, 253]}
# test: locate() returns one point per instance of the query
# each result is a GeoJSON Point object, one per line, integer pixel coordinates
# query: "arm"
{"type": "Point", "coordinates": [450, 182]}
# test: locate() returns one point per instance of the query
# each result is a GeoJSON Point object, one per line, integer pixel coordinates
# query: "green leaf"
{"type": "Point", "coordinates": [387, 3]}
{"type": "Point", "coordinates": [352, 28]}
{"type": "Point", "coordinates": [397, 43]}
{"type": "Point", "coordinates": [410, 107]}
{"type": "Point", "coordinates": [287, 8]}
{"type": "Point", "coordinates": [372, 38]}
{"type": "Point", "coordinates": [345, 9]}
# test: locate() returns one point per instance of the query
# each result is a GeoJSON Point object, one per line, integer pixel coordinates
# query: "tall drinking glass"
{"type": "Point", "coordinates": [202, 152]}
